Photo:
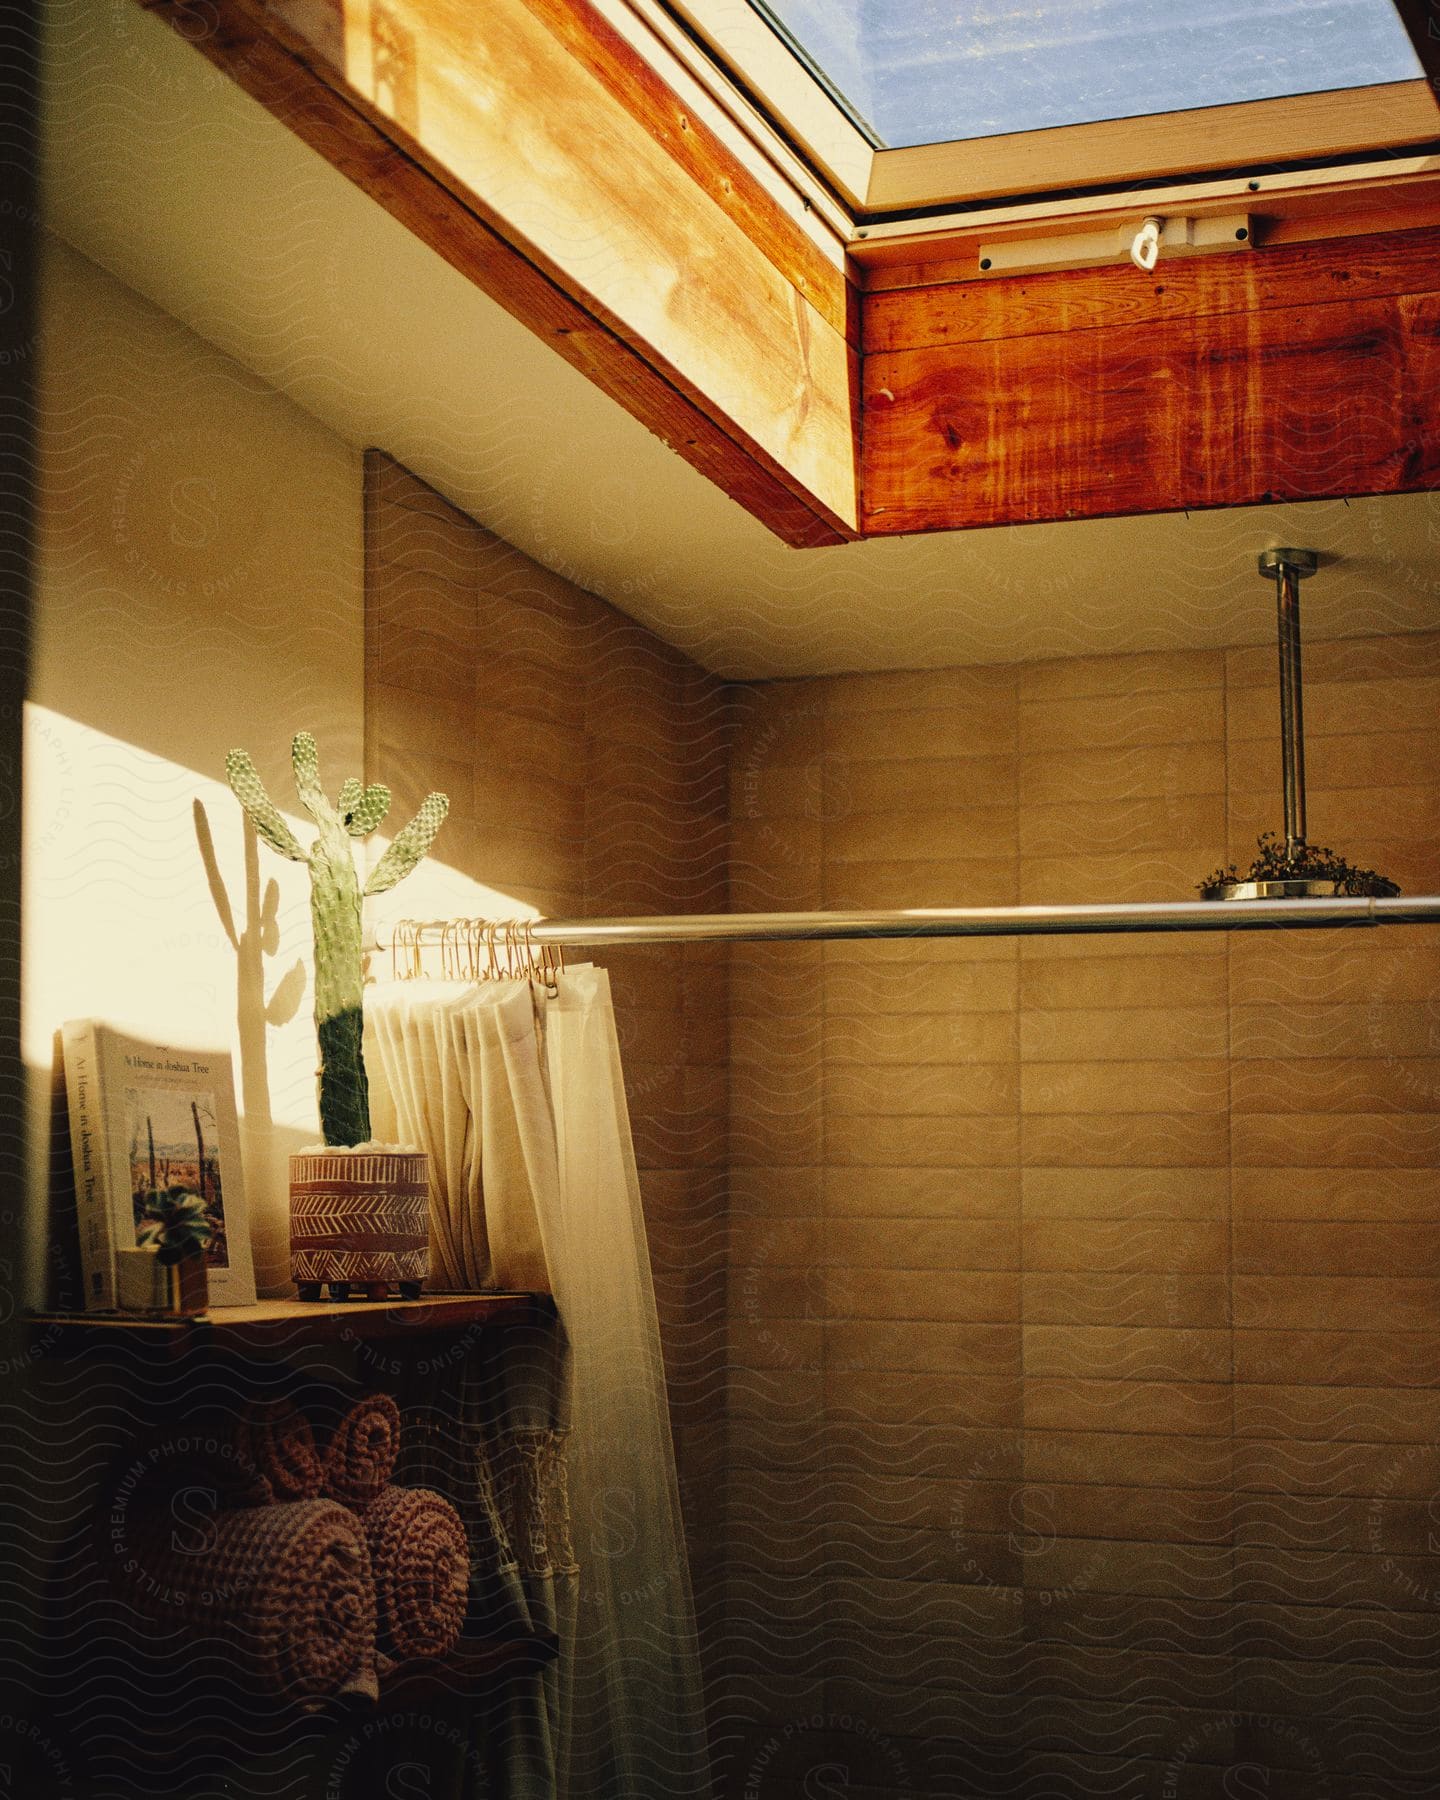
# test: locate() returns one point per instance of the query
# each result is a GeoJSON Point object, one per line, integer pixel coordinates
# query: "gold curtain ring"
{"type": "Point", "coordinates": [417, 949]}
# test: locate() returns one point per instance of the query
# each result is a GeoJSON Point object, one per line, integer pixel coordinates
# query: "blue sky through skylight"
{"type": "Point", "coordinates": [922, 71]}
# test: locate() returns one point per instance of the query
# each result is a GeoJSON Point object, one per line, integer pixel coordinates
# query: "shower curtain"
{"type": "Point", "coordinates": [564, 1464]}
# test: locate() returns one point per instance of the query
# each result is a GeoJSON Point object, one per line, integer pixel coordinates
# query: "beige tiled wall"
{"type": "Point", "coordinates": [1084, 1294]}
{"type": "Point", "coordinates": [586, 764]}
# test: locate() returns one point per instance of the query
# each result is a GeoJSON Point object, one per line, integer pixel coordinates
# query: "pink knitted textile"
{"type": "Point", "coordinates": [360, 1457]}
{"type": "Point", "coordinates": [275, 1437]}
{"type": "Point", "coordinates": [288, 1587]}
{"type": "Point", "coordinates": [421, 1563]}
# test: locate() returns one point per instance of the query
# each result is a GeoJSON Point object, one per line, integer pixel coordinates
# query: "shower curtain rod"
{"type": "Point", "coordinates": [948, 921]}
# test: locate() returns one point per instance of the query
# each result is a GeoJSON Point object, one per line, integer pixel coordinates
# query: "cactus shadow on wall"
{"type": "Point", "coordinates": [253, 940]}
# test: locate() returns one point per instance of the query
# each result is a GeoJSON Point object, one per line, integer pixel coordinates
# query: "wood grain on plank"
{"type": "Point", "coordinates": [1289, 210]}
{"type": "Point", "coordinates": [533, 140]}
{"type": "Point", "coordinates": [1286, 403]}
{"type": "Point", "coordinates": [1244, 134]}
{"type": "Point", "coordinates": [972, 311]}
{"type": "Point", "coordinates": [527, 175]}
{"type": "Point", "coordinates": [707, 160]}
{"type": "Point", "coordinates": [282, 1324]}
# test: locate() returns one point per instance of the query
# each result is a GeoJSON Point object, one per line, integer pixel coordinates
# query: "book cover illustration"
{"type": "Point", "coordinates": [146, 1116]}
{"type": "Point", "coordinates": [175, 1142]}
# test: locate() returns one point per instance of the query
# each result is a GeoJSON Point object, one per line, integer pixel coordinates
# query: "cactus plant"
{"type": "Point", "coordinates": [335, 896]}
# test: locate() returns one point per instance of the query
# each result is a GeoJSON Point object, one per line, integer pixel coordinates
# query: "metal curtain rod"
{"type": "Point", "coordinates": [960, 921]}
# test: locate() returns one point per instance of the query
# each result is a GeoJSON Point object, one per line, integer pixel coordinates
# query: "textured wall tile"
{"type": "Point", "coordinates": [1095, 721]}
{"type": "Point", "coordinates": [1299, 1302]}
{"type": "Point", "coordinates": [1095, 1297]}
{"type": "Point", "coordinates": [1120, 1145]}
{"type": "Point", "coordinates": [1061, 1193]}
{"type": "Point", "coordinates": [1127, 1353]}
{"type": "Point", "coordinates": [937, 1245]}
{"type": "Point", "coordinates": [1398, 1358]}
{"type": "Point", "coordinates": [1177, 1085]}
{"type": "Point", "coordinates": [1116, 1405]}
{"type": "Point", "coordinates": [1103, 983]}
{"type": "Point", "coordinates": [1124, 1035]}
{"type": "Point", "coordinates": [1120, 1457]}
{"type": "Point", "coordinates": [915, 1294]}
{"type": "Point", "coordinates": [1111, 1244]}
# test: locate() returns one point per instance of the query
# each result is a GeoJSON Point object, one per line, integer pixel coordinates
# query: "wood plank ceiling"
{"type": "Point", "coordinates": [1301, 372]}
{"type": "Point", "coordinates": [533, 147]}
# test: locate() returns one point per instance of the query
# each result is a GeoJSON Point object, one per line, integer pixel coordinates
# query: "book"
{"type": "Point", "coordinates": [146, 1115]}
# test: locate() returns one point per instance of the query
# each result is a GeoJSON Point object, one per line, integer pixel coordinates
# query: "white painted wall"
{"type": "Point", "coordinates": [200, 586]}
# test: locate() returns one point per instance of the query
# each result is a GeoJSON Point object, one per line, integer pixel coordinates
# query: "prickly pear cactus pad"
{"type": "Point", "coordinates": [335, 897]}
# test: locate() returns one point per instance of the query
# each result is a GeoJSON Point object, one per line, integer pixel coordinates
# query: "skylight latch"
{"type": "Point", "coordinates": [1142, 242]}
{"type": "Point", "coordinates": [1145, 245]}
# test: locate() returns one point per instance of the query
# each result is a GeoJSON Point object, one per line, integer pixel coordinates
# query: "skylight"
{"type": "Point", "coordinates": [912, 72]}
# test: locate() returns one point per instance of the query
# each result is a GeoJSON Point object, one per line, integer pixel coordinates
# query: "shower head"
{"type": "Point", "coordinates": [1273, 564]}
{"type": "Point", "coordinates": [1295, 870]}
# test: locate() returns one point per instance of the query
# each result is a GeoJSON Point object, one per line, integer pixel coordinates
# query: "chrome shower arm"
{"type": "Point", "coordinates": [1288, 568]}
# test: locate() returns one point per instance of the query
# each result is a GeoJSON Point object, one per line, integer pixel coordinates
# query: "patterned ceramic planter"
{"type": "Point", "coordinates": [359, 1218]}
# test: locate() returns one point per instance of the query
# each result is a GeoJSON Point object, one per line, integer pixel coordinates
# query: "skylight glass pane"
{"type": "Point", "coordinates": [923, 71]}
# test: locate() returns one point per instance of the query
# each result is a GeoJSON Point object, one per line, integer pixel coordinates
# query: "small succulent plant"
{"type": "Point", "coordinates": [174, 1220]}
{"type": "Point", "coordinates": [335, 897]}
{"type": "Point", "coordinates": [1311, 863]}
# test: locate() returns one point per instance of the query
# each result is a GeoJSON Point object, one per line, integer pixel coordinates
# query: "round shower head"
{"type": "Point", "coordinates": [1299, 563]}
{"type": "Point", "coordinates": [1290, 868]}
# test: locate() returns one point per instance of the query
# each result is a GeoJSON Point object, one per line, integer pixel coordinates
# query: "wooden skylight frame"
{"type": "Point", "coordinates": [879, 183]}
{"type": "Point", "coordinates": [838, 374]}
{"type": "Point", "coordinates": [1328, 127]}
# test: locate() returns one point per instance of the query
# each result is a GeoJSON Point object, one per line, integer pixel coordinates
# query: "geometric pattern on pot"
{"type": "Point", "coordinates": [359, 1217]}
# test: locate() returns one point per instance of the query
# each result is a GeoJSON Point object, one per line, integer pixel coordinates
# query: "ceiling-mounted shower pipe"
{"type": "Point", "coordinates": [1293, 871]}
{"type": "Point", "coordinates": [1288, 568]}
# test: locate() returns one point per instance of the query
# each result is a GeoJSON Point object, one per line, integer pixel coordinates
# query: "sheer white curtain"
{"type": "Point", "coordinates": [518, 1096]}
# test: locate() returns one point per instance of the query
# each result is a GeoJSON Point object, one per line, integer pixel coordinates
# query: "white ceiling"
{"type": "Point", "coordinates": [160, 169]}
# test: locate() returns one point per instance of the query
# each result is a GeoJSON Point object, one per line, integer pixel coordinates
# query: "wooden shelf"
{"type": "Point", "coordinates": [287, 1324]}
